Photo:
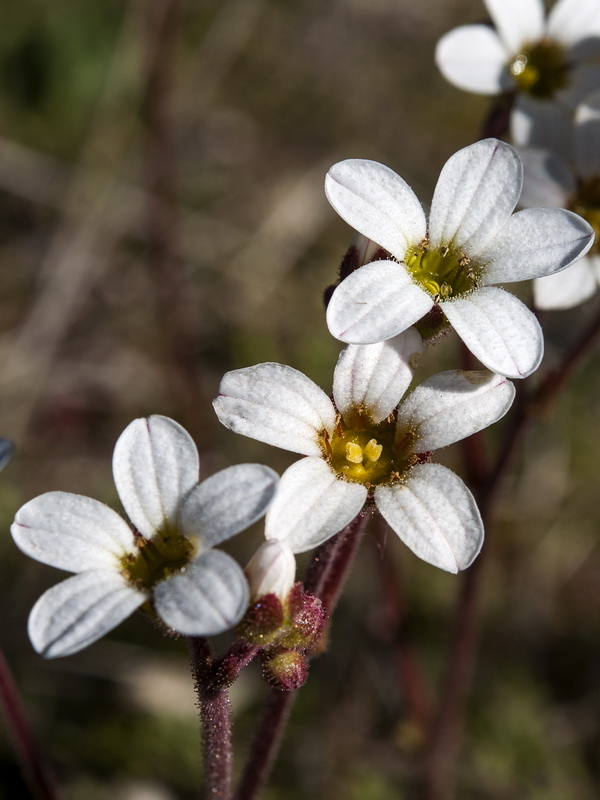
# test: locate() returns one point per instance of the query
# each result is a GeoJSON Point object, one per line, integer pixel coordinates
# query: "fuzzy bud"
{"type": "Point", "coordinates": [262, 621]}
{"type": "Point", "coordinates": [285, 670]}
{"type": "Point", "coordinates": [307, 619]}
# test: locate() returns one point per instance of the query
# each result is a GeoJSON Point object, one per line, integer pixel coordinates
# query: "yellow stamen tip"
{"type": "Point", "coordinates": [373, 450]}
{"type": "Point", "coordinates": [354, 453]}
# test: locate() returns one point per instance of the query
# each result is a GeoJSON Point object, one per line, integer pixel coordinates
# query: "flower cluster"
{"type": "Point", "coordinates": [550, 69]}
{"type": "Point", "coordinates": [408, 278]}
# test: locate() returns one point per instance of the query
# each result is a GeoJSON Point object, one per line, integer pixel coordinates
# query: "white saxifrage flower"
{"type": "Point", "coordinates": [546, 61]}
{"type": "Point", "coordinates": [364, 445]}
{"type": "Point", "coordinates": [573, 182]}
{"type": "Point", "coordinates": [167, 559]}
{"type": "Point", "coordinates": [472, 240]}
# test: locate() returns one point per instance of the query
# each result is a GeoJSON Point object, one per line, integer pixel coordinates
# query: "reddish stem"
{"type": "Point", "coordinates": [445, 732]}
{"type": "Point", "coordinates": [325, 578]}
{"type": "Point", "coordinates": [411, 673]}
{"type": "Point", "coordinates": [34, 766]}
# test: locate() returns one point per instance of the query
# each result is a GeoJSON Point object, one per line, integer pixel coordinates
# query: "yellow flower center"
{"type": "Point", "coordinates": [368, 453]}
{"type": "Point", "coordinates": [541, 70]}
{"type": "Point", "coordinates": [586, 203]}
{"type": "Point", "coordinates": [158, 558]}
{"type": "Point", "coordinates": [443, 272]}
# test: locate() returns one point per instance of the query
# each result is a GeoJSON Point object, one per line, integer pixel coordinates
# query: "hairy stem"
{"type": "Point", "coordinates": [325, 578]}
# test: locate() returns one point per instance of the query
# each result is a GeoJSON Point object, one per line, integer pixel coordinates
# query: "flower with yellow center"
{"type": "Point", "coordinates": [166, 562]}
{"type": "Point", "coordinates": [544, 60]}
{"type": "Point", "coordinates": [574, 182]}
{"type": "Point", "coordinates": [448, 263]}
{"type": "Point", "coordinates": [366, 444]}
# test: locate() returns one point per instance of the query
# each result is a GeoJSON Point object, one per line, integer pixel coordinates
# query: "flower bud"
{"type": "Point", "coordinates": [285, 670]}
{"type": "Point", "coordinates": [271, 570]}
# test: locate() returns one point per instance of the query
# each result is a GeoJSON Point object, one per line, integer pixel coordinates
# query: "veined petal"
{"type": "Point", "coordinates": [210, 597]}
{"type": "Point", "coordinates": [518, 22]}
{"type": "Point", "coordinates": [573, 21]}
{"type": "Point", "coordinates": [80, 610]}
{"type": "Point", "coordinates": [227, 503]}
{"type": "Point", "coordinates": [378, 203]}
{"type": "Point", "coordinates": [311, 505]}
{"type": "Point", "coordinates": [275, 404]}
{"type": "Point", "coordinates": [475, 195]}
{"type": "Point", "coordinates": [565, 289]}
{"type": "Point", "coordinates": [536, 242]}
{"type": "Point", "coordinates": [72, 532]}
{"type": "Point", "coordinates": [547, 179]}
{"type": "Point", "coordinates": [473, 58]}
{"type": "Point", "coordinates": [452, 405]}
{"type": "Point", "coordinates": [375, 376]}
{"type": "Point", "coordinates": [375, 303]}
{"type": "Point", "coordinates": [587, 136]}
{"type": "Point", "coordinates": [155, 464]}
{"type": "Point", "coordinates": [499, 330]}
{"type": "Point", "coordinates": [435, 515]}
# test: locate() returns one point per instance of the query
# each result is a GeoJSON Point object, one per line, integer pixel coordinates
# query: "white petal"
{"type": "Point", "coordinates": [378, 203]}
{"type": "Point", "coordinates": [536, 242]}
{"type": "Point", "coordinates": [375, 376]}
{"type": "Point", "coordinates": [566, 289]}
{"type": "Point", "coordinates": [311, 505]}
{"type": "Point", "coordinates": [587, 137]}
{"type": "Point", "coordinates": [499, 330]}
{"type": "Point", "coordinates": [228, 502]}
{"type": "Point", "coordinates": [435, 515]}
{"type": "Point", "coordinates": [585, 79]}
{"type": "Point", "coordinates": [78, 611]}
{"type": "Point", "coordinates": [473, 58]}
{"type": "Point", "coordinates": [547, 179]}
{"type": "Point", "coordinates": [573, 21]}
{"type": "Point", "coordinates": [518, 22]}
{"type": "Point", "coordinates": [377, 302]}
{"type": "Point", "coordinates": [72, 532]}
{"type": "Point", "coordinates": [452, 405]}
{"type": "Point", "coordinates": [475, 195]}
{"type": "Point", "coordinates": [209, 597]}
{"type": "Point", "coordinates": [541, 123]}
{"type": "Point", "coordinates": [275, 404]}
{"type": "Point", "coordinates": [155, 464]}
{"type": "Point", "coordinates": [272, 570]}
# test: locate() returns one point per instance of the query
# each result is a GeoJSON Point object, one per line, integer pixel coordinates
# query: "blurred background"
{"type": "Point", "coordinates": [162, 220]}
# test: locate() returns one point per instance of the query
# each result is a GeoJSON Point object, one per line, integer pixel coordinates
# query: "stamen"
{"type": "Point", "coordinates": [373, 450]}
{"type": "Point", "coordinates": [354, 453]}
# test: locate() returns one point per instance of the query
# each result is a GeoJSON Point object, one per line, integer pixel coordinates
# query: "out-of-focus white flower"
{"type": "Point", "coordinates": [167, 559]}
{"type": "Point", "coordinates": [364, 445]}
{"type": "Point", "coordinates": [472, 240]}
{"type": "Point", "coordinates": [550, 180]}
{"type": "Point", "coordinates": [546, 61]}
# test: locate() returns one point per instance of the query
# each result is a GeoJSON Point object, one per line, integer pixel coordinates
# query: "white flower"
{"type": "Point", "coordinates": [472, 240]}
{"type": "Point", "coordinates": [550, 180]}
{"type": "Point", "coordinates": [167, 559]}
{"type": "Point", "coordinates": [544, 60]}
{"type": "Point", "coordinates": [363, 445]}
